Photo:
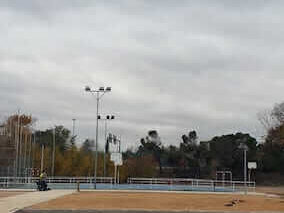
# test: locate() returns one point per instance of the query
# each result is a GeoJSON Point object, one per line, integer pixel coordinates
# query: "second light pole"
{"type": "Point", "coordinates": [245, 148]}
{"type": "Point", "coordinates": [108, 117]}
{"type": "Point", "coordinates": [99, 94]}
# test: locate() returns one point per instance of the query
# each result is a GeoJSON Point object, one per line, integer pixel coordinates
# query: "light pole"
{"type": "Point", "coordinates": [42, 158]}
{"type": "Point", "coordinates": [99, 94]}
{"type": "Point", "coordinates": [73, 125]}
{"type": "Point", "coordinates": [53, 151]}
{"type": "Point", "coordinates": [108, 117]}
{"type": "Point", "coordinates": [245, 148]}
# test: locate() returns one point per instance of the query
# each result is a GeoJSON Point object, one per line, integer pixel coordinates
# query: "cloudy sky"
{"type": "Point", "coordinates": [173, 66]}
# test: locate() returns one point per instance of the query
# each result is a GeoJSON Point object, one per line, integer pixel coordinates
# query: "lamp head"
{"type": "Point", "coordinates": [101, 89]}
{"type": "Point", "coordinates": [108, 89]}
{"type": "Point", "coordinates": [87, 89]}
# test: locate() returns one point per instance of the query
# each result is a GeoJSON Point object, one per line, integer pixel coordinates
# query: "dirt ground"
{"type": "Point", "coordinates": [9, 194]}
{"type": "Point", "coordinates": [277, 190]}
{"type": "Point", "coordinates": [163, 201]}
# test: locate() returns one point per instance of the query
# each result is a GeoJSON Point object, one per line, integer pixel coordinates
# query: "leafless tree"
{"type": "Point", "coordinates": [278, 112]}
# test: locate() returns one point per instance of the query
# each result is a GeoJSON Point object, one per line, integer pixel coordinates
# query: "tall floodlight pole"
{"type": "Point", "coordinates": [73, 120]}
{"type": "Point", "coordinates": [245, 148]}
{"type": "Point", "coordinates": [32, 154]}
{"type": "Point", "coordinates": [105, 148]}
{"type": "Point", "coordinates": [42, 158]}
{"type": "Point", "coordinates": [108, 117]}
{"type": "Point", "coordinates": [99, 94]}
{"type": "Point", "coordinates": [17, 131]}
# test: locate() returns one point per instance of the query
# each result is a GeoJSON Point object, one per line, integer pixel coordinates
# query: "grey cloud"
{"type": "Point", "coordinates": [173, 66]}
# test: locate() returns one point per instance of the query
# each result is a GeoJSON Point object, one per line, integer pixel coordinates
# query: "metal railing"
{"type": "Point", "coordinates": [195, 184]}
{"type": "Point", "coordinates": [177, 184]}
{"type": "Point", "coordinates": [63, 182]}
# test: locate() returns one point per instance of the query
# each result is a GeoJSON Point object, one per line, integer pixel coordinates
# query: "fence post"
{"type": "Point", "coordinates": [78, 186]}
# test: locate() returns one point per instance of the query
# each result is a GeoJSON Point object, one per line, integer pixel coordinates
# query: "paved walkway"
{"type": "Point", "coordinates": [12, 204]}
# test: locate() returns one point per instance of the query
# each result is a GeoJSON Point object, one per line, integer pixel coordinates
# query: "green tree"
{"type": "Point", "coordinates": [151, 144]}
{"type": "Point", "coordinates": [225, 150]}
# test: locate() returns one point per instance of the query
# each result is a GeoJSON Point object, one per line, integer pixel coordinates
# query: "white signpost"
{"type": "Point", "coordinates": [116, 157]}
{"type": "Point", "coordinates": [251, 165]}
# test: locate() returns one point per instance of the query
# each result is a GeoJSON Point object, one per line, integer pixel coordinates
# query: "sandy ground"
{"type": "Point", "coordinates": [9, 194]}
{"type": "Point", "coordinates": [162, 201]}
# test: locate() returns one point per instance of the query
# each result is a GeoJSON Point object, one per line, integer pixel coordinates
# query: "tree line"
{"type": "Point", "coordinates": [189, 159]}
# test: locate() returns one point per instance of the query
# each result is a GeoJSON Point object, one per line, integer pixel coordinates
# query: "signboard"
{"type": "Point", "coordinates": [116, 158]}
{"type": "Point", "coordinates": [252, 165]}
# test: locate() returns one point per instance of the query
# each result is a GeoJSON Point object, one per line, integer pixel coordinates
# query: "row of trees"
{"type": "Point", "coordinates": [202, 160]}
{"type": "Point", "coordinates": [70, 160]}
{"type": "Point", "coordinates": [190, 158]}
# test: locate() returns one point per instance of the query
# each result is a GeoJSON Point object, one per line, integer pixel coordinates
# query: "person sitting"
{"type": "Point", "coordinates": [42, 185]}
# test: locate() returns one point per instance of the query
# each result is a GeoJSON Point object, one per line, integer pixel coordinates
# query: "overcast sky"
{"type": "Point", "coordinates": [173, 66]}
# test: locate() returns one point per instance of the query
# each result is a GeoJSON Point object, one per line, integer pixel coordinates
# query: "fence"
{"type": "Point", "coordinates": [176, 184]}
{"type": "Point", "coordinates": [196, 184]}
{"type": "Point", "coordinates": [57, 182]}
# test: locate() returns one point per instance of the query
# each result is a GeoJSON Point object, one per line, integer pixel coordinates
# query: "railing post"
{"type": "Point", "coordinates": [78, 186]}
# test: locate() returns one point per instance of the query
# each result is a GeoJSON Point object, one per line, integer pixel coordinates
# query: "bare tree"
{"type": "Point", "coordinates": [278, 112]}
{"type": "Point", "coordinates": [266, 119]}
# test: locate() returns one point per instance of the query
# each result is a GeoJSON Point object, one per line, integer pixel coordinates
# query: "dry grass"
{"type": "Point", "coordinates": [162, 201]}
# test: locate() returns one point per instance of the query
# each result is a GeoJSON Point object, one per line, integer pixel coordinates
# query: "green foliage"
{"type": "Point", "coordinates": [151, 145]}
{"type": "Point", "coordinates": [227, 154]}
{"type": "Point", "coordinates": [62, 136]}
{"type": "Point", "coordinates": [152, 159]}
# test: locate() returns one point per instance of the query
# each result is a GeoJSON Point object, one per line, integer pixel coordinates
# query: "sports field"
{"type": "Point", "coordinates": [163, 201]}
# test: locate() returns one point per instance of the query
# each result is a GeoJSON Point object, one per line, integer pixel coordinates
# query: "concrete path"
{"type": "Point", "coordinates": [12, 204]}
